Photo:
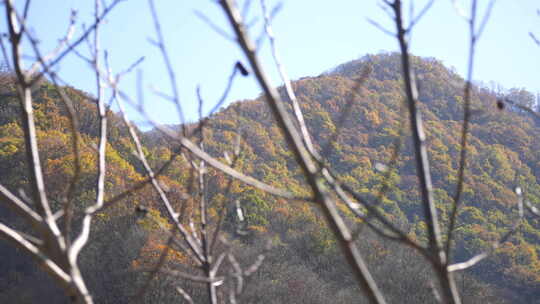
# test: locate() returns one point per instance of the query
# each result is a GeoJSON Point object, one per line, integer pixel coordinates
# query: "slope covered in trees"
{"type": "Point", "coordinates": [355, 113]}
{"type": "Point", "coordinates": [356, 116]}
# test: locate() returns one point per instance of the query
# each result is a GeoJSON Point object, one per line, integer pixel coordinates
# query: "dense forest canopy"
{"type": "Point", "coordinates": [356, 117]}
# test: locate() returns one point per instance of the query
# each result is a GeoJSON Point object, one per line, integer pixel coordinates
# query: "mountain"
{"type": "Point", "coordinates": [357, 110]}
{"type": "Point", "coordinates": [357, 119]}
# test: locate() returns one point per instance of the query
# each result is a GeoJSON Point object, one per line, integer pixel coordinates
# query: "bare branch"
{"type": "Point", "coordinates": [240, 176]}
{"type": "Point", "coordinates": [82, 239]}
{"type": "Point", "coordinates": [287, 83]}
{"type": "Point", "coordinates": [203, 214]}
{"type": "Point", "coordinates": [85, 34]}
{"type": "Point", "coordinates": [473, 38]}
{"type": "Point", "coordinates": [237, 67]}
{"type": "Point", "coordinates": [74, 127]}
{"type": "Point", "coordinates": [380, 27]}
{"type": "Point", "coordinates": [213, 26]}
{"type": "Point", "coordinates": [449, 289]}
{"type": "Point", "coordinates": [534, 210]}
{"type": "Point", "coordinates": [184, 294]}
{"type": "Point", "coordinates": [295, 141]}
{"type": "Point", "coordinates": [416, 19]}
{"type": "Point", "coordinates": [534, 38]}
{"type": "Point", "coordinates": [189, 145]}
{"type": "Point", "coordinates": [400, 235]}
{"type": "Point", "coordinates": [138, 186]}
{"type": "Point", "coordinates": [32, 152]}
{"type": "Point", "coordinates": [485, 19]}
{"type": "Point", "coordinates": [42, 60]}
{"type": "Point", "coordinates": [183, 275]}
{"type": "Point", "coordinates": [237, 273]}
{"type": "Point", "coordinates": [193, 245]}
{"type": "Point", "coordinates": [255, 266]}
{"type": "Point", "coordinates": [530, 111]}
{"type": "Point", "coordinates": [165, 55]}
{"type": "Point", "coordinates": [17, 205]}
{"type": "Point", "coordinates": [419, 139]}
{"type": "Point", "coordinates": [479, 257]}
{"type": "Point", "coordinates": [19, 241]}
{"type": "Point", "coordinates": [328, 147]}
{"type": "Point", "coordinates": [219, 261]}
{"type": "Point", "coordinates": [130, 68]}
{"type": "Point", "coordinates": [223, 209]}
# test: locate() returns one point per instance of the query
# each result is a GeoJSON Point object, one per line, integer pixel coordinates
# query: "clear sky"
{"type": "Point", "coordinates": [313, 36]}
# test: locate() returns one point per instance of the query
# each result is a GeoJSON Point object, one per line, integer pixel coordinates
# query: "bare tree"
{"type": "Point", "coordinates": [53, 247]}
{"type": "Point", "coordinates": [53, 243]}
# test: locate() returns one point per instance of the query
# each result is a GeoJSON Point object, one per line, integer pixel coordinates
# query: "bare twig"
{"type": "Point", "coordinates": [380, 27]}
{"type": "Point", "coordinates": [183, 275]}
{"type": "Point", "coordinates": [82, 239]}
{"type": "Point", "coordinates": [399, 235]}
{"type": "Point", "coordinates": [42, 60]}
{"type": "Point", "coordinates": [484, 21]}
{"type": "Point", "coordinates": [222, 211]}
{"type": "Point", "coordinates": [227, 192]}
{"type": "Point", "coordinates": [474, 36]}
{"type": "Point", "coordinates": [138, 186]}
{"type": "Point", "coordinates": [184, 294]}
{"type": "Point", "coordinates": [17, 205]}
{"type": "Point", "coordinates": [419, 138]}
{"type": "Point", "coordinates": [287, 83]}
{"type": "Point", "coordinates": [384, 189]}
{"type": "Point", "coordinates": [237, 67]}
{"type": "Point", "coordinates": [479, 257]}
{"type": "Point", "coordinates": [74, 128]}
{"type": "Point", "coordinates": [32, 153]}
{"type": "Point", "coordinates": [415, 19]}
{"type": "Point", "coordinates": [530, 111]}
{"type": "Point", "coordinates": [534, 210]}
{"type": "Point", "coordinates": [213, 26]}
{"type": "Point", "coordinates": [534, 38]}
{"type": "Point", "coordinates": [193, 245]}
{"type": "Point", "coordinates": [106, 10]}
{"type": "Point", "coordinates": [464, 131]}
{"type": "Point", "coordinates": [203, 214]}
{"type": "Point", "coordinates": [328, 147]}
{"type": "Point", "coordinates": [19, 241]}
{"type": "Point", "coordinates": [170, 71]}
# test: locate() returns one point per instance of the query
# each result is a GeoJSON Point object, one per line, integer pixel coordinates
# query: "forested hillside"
{"type": "Point", "coordinates": [356, 115]}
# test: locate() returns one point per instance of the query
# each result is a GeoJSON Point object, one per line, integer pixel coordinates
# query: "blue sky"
{"type": "Point", "coordinates": [313, 36]}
